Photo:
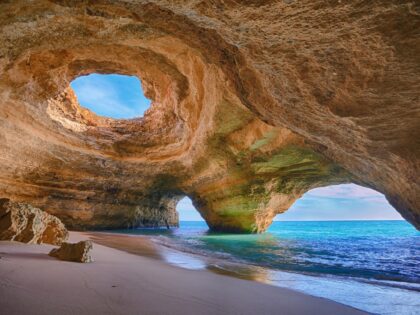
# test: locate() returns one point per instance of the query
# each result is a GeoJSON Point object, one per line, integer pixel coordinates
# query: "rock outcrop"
{"type": "Point", "coordinates": [77, 252]}
{"type": "Point", "coordinates": [24, 223]}
{"type": "Point", "coordinates": [254, 103]}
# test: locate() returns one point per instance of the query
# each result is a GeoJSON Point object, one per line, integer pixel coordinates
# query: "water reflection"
{"type": "Point", "coordinates": [183, 260]}
{"type": "Point", "coordinates": [242, 272]}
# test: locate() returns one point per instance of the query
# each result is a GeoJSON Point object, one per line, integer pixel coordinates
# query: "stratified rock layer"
{"type": "Point", "coordinates": [254, 103]}
{"type": "Point", "coordinates": [77, 252]}
{"type": "Point", "coordinates": [24, 223]}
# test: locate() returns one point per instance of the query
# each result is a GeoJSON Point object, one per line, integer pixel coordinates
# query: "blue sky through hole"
{"type": "Point", "coordinates": [111, 95]}
{"type": "Point", "coordinates": [121, 97]}
{"type": "Point", "coordinates": [335, 203]}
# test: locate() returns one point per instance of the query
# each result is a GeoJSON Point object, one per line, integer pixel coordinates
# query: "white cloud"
{"type": "Point", "coordinates": [341, 202]}
{"type": "Point", "coordinates": [348, 191]}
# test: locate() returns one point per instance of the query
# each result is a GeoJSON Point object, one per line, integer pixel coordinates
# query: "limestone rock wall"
{"type": "Point", "coordinates": [24, 223]}
{"type": "Point", "coordinates": [254, 103]}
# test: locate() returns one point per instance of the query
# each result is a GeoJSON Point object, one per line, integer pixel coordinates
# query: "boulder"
{"type": "Point", "coordinates": [24, 223]}
{"type": "Point", "coordinates": [77, 252]}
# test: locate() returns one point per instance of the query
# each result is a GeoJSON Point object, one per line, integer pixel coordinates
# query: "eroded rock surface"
{"type": "Point", "coordinates": [23, 223]}
{"type": "Point", "coordinates": [77, 252]}
{"type": "Point", "coordinates": [254, 103]}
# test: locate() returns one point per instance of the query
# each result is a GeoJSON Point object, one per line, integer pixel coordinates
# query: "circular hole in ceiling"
{"type": "Point", "coordinates": [111, 95]}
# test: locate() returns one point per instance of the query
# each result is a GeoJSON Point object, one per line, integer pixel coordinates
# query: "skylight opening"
{"type": "Point", "coordinates": [111, 95]}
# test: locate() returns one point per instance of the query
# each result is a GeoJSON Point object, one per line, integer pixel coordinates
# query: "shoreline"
{"type": "Point", "coordinates": [360, 293]}
{"type": "Point", "coordinates": [118, 282]}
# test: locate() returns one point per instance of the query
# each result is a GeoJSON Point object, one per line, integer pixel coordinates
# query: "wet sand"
{"type": "Point", "coordinates": [133, 281]}
{"type": "Point", "coordinates": [143, 246]}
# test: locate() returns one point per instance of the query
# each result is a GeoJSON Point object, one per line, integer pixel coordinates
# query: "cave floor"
{"type": "Point", "coordinates": [117, 282]}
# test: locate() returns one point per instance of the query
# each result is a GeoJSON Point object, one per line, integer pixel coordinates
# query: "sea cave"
{"type": "Point", "coordinates": [240, 106]}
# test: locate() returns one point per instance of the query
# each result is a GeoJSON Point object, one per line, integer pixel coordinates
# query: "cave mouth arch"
{"type": "Point", "coordinates": [343, 202]}
{"type": "Point", "coordinates": [187, 212]}
{"type": "Point", "coordinates": [113, 96]}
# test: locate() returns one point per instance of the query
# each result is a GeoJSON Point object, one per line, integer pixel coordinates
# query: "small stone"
{"type": "Point", "coordinates": [77, 252]}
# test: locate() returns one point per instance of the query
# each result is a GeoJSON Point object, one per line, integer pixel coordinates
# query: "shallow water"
{"type": "Point", "coordinates": [371, 265]}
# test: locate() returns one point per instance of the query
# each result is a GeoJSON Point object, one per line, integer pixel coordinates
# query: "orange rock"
{"type": "Point", "coordinates": [254, 103]}
{"type": "Point", "coordinates": [78, 252]}
{"type": "Point", "coordinates": [24, 223]}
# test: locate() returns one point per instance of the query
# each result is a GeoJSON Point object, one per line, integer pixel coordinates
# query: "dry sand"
{"type": "Point", "coordinates": [118, 282]}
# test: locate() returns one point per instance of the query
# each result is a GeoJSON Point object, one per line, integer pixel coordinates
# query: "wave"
{"type": "Point", "coordinates": [230, 264]}
{"type": "Point", "coordinates": [171, 244]}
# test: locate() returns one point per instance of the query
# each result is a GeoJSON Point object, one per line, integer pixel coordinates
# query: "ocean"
{"type": "Point", "coordinates": [370, 265]}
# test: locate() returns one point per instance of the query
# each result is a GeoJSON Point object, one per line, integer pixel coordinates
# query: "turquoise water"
{"type": "Point", "coordinates": [372, 265]}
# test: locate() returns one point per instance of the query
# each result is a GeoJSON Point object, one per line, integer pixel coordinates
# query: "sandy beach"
{"type": "Point", "coordinates": [118, 282]}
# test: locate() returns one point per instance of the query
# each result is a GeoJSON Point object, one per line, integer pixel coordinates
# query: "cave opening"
{"type": "Point", "coordinates": [111, 95]}
{"type": "Point", "coordinates": [188, 214]}
{"type": "Point", "coordinates": [344, 202]}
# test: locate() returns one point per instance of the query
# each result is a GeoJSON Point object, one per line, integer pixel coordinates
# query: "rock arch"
{"type": "Point", "coordinates": [247, 113]}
